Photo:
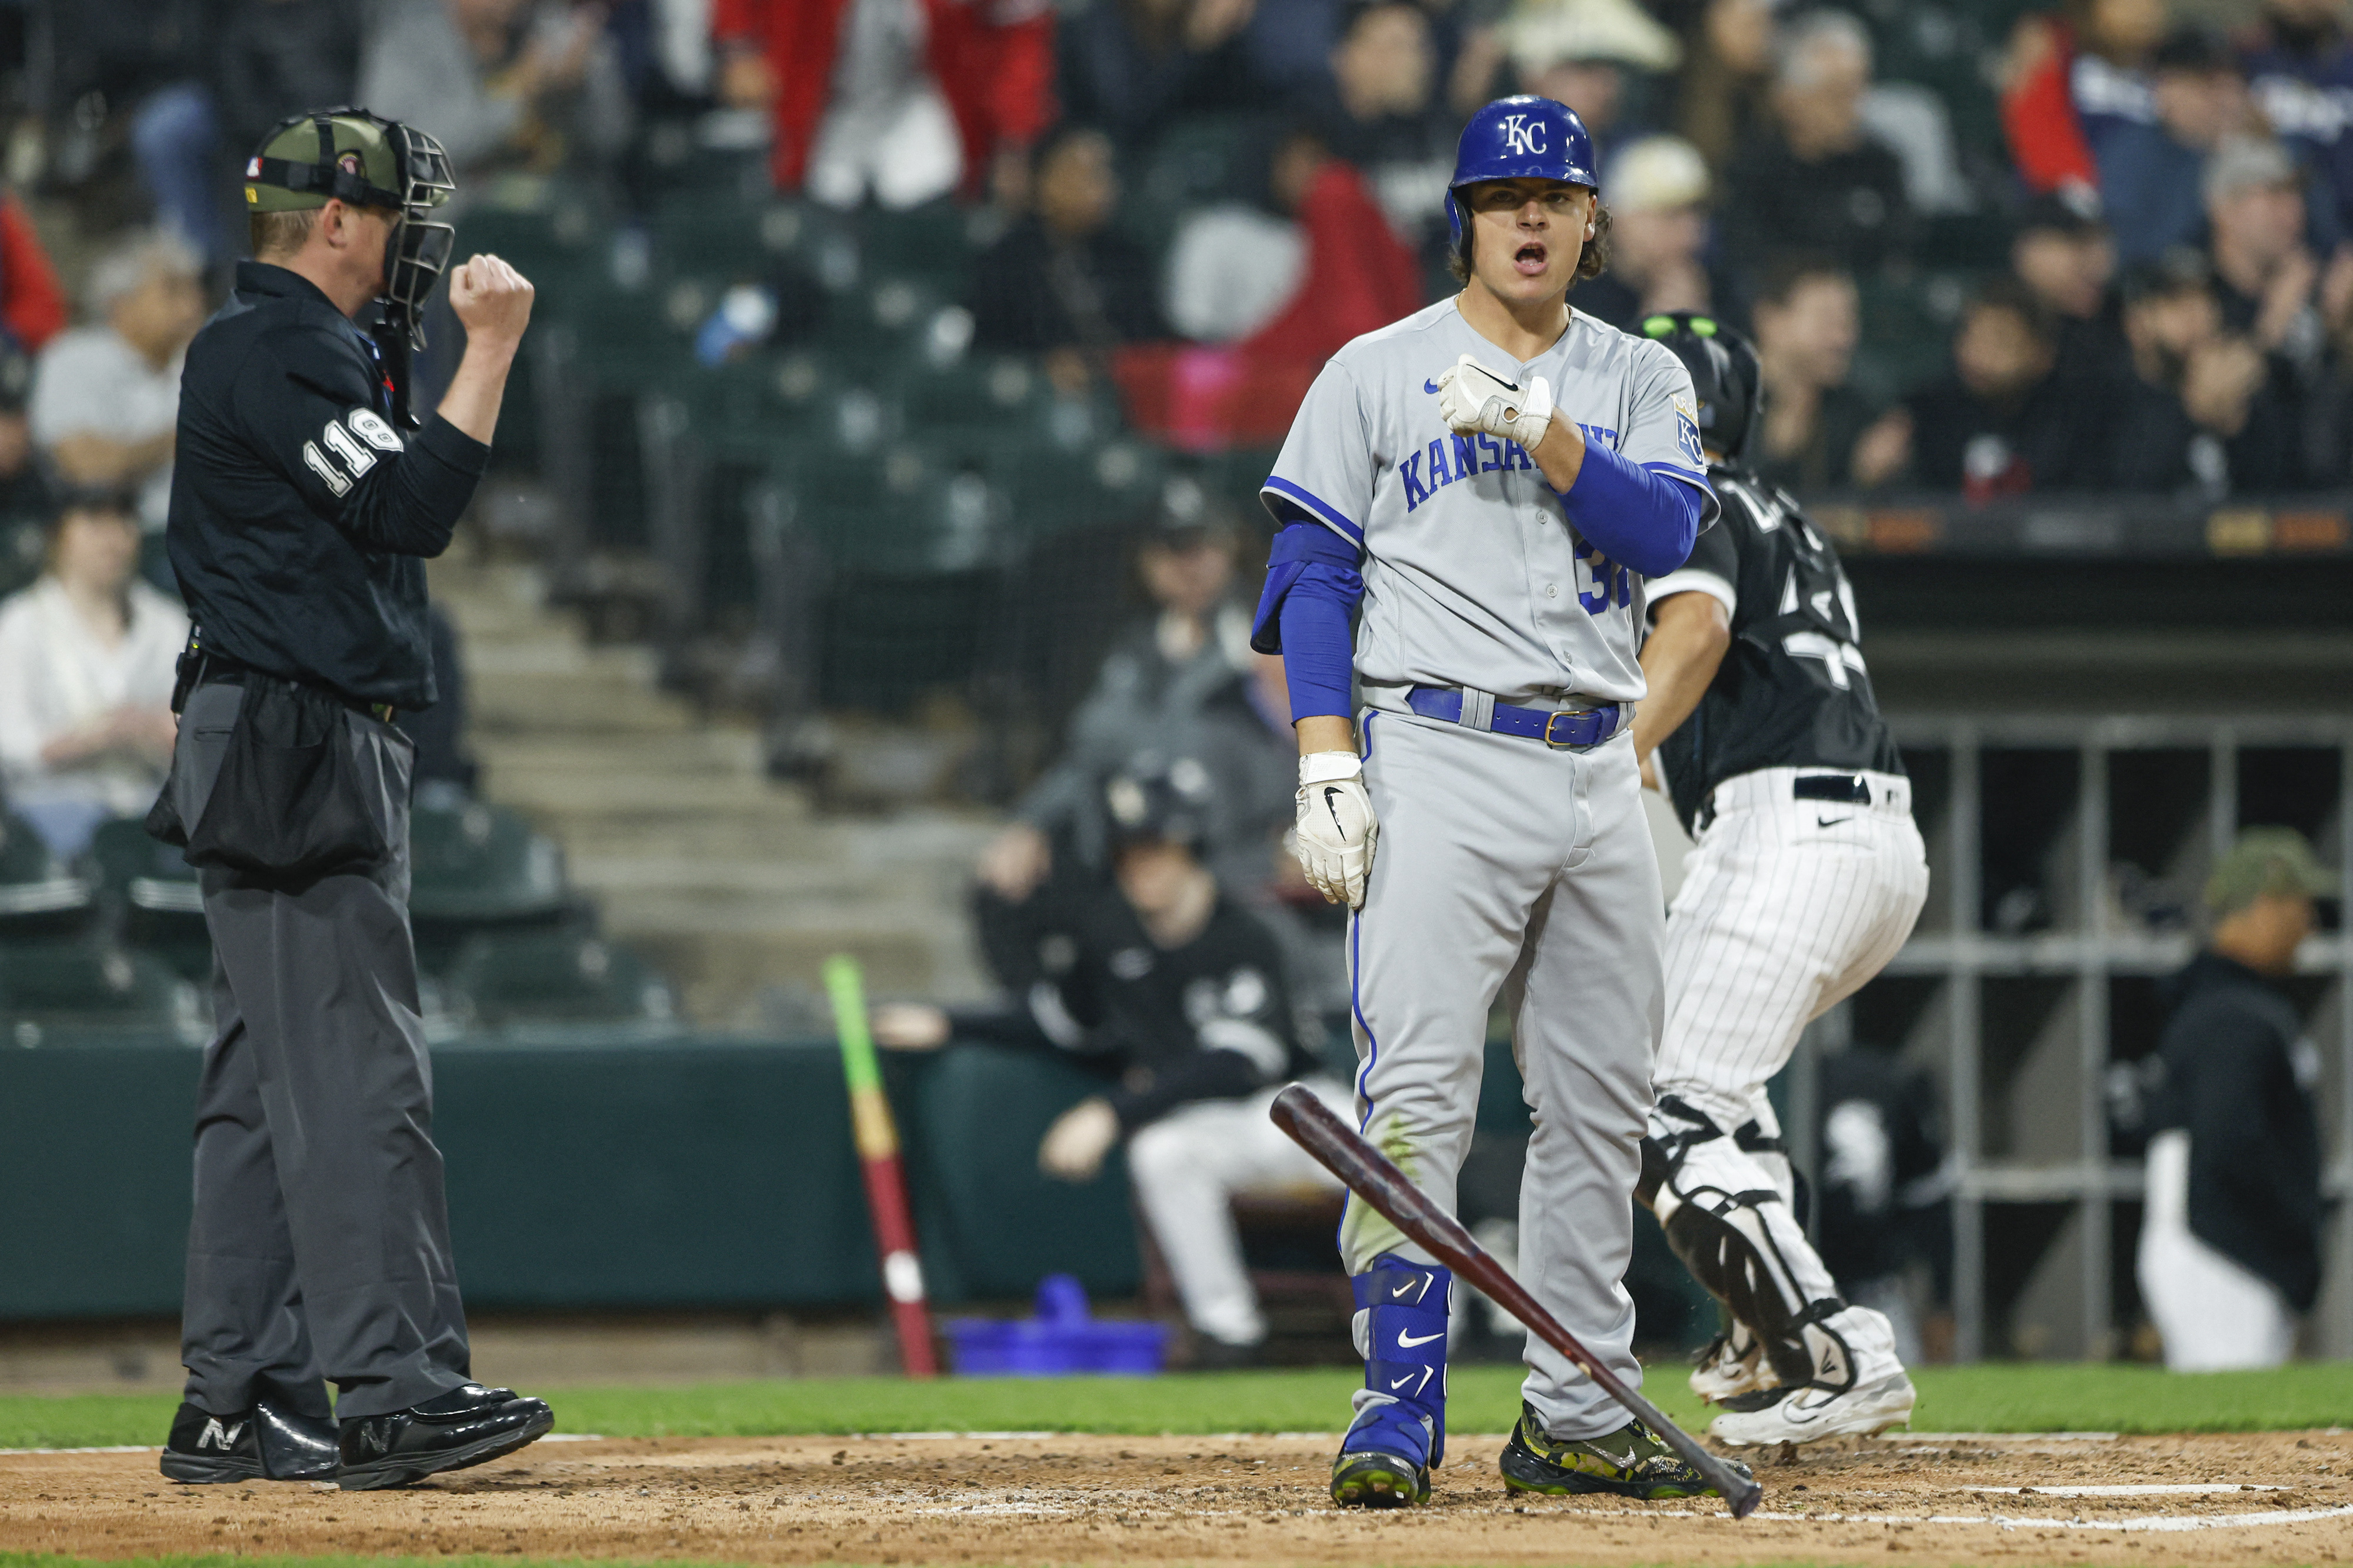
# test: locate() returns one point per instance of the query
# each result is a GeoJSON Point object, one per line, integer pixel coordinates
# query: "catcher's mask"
{"type": "Point", "coordinates": [370, 162]}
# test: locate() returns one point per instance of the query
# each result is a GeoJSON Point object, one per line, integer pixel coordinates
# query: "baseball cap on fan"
{"type": "Point", "coordinates": [2268, 860]}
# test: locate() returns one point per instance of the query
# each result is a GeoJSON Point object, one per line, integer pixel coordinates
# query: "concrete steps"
{"type": "Point", "coordinates": [728, 881]}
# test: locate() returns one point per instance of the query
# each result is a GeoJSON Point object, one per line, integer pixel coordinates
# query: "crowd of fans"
{"type": "Point", "coordinates": [2174, 312]}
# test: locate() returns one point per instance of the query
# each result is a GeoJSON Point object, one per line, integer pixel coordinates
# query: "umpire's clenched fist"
{"type": "Point", "coordinates": [492, 301]}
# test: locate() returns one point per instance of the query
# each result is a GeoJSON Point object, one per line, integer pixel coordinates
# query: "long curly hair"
{"type": "Point", "coordinates": [1591, 263]}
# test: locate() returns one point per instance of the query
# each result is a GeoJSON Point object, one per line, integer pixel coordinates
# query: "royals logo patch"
{"type": "Point", "coordinates": [1687, 434]}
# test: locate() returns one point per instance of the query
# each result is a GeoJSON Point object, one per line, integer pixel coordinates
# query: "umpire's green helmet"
{"type": "Point", "coordinates": [367, 161]}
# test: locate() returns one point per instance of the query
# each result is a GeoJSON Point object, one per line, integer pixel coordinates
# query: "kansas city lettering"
{"type": "Point", "coordinates": [1451, 457]}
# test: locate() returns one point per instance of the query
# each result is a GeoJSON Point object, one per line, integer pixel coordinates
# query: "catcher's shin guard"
{"type": "Point", "coordinates": [1736, 1235]}
{"type": "Point", "coordinates": [1401, 1310]}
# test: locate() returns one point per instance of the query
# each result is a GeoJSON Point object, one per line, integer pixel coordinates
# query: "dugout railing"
{"type": "Point", "coordinates": [2067, 855]}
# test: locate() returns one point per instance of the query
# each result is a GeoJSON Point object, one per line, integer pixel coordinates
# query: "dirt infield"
{"type": "Point", "coordinates": [1055, 1499]}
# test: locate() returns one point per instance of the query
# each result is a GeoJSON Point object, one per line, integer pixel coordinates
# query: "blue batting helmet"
{"type": "Point", "coordinates": [1522, 138]}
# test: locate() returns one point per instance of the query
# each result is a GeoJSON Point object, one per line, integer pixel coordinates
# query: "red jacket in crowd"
{"type": "Point", "coordinates": [994, 61]}
{"type": "Point", "coordinates": [2040, 121]}
{"type": "Point", "coordinates": [32, 304]}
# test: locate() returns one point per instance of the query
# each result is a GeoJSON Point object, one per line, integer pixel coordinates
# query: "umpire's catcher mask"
{"type": "Point", "coordinates": [369, 161]}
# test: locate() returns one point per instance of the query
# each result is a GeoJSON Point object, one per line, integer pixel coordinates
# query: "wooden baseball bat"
{"type": "Point", "coordinates": [877, 1137]}
{"type": "Point", "coordinates": [1374, 1177]}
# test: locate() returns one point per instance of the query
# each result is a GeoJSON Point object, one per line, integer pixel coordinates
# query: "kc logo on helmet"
{"type": "Point", "coordinates": [1519, 136]}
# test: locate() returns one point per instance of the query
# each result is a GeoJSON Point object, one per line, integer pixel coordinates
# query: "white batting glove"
{"type": "Point", "coordinates": [1473, 398]}
{"type": "Point", "coordinates": [1337, 829]}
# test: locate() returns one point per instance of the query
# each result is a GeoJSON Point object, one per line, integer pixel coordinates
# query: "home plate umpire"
{"type": "Point", "coordinates": [304, 505]}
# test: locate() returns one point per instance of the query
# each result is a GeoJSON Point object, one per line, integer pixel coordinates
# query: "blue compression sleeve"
{"type": "Point", "coordinates": [1636, 516]}
{"type": "Point", "coordinates": [1312, 588]}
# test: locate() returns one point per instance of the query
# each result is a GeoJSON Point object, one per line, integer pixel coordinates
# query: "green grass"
{"type": "Point", "coordinates": [1996, 1397]}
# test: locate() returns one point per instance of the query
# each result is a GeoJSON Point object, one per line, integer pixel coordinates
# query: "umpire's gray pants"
{"type": "Point", "coordinates": [320, 1244]}
{"type": "Point", "coordinates": [1509, 872]}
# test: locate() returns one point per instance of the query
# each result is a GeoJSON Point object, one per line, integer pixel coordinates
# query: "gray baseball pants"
{"type": "Point", "coordinates": [1508, 871]}
{"type": "Point", "coordinates": [319, 1243]}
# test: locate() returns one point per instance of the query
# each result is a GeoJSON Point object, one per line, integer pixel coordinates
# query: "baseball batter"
{"type": "Point", "coordinates": [1806, 876]}
{"type": "Point", "coordinates": [1484, 488]}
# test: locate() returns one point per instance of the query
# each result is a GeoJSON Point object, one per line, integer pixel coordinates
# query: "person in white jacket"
{"type": "Point", "coordinates": [86, 666]}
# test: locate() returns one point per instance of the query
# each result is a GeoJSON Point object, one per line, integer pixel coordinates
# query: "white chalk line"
{"type": "Point", "coordinates": [156, 1448]}
{"type": "Point", "coordinates": [2149, 1488]}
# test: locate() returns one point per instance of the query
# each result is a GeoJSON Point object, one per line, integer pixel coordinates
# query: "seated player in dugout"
{"type": "Point", "coordinates": [1174, 993]}
{"type": "Point", "coordinates": [1806, 876]}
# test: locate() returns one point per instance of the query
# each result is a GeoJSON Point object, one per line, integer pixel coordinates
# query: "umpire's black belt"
{"type": "Point", "coordinates": [1566, 730]}
{"type": "Point", "coordinates": [200, 666]}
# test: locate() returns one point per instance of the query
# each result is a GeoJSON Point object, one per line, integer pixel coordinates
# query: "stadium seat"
{"type": "Point", "coordinates": [74, 991]}
{"type": "Point", "coordinates": [476, 868]}
{"type": "Point", "coordinates": [933, 244]}
{"type": "Point", "coordinates": [1199, 162]}
{"type": "Point", "coordinates": [514, 981]}
{"type": "Point", "coordinates": [21, 548]}
{"type": "Point", "coordinates": [154, 893]}
{"type": "Point", "coordinates": [39, 898]}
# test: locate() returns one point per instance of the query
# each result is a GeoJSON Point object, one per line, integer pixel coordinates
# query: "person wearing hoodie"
{"type": "Point", "coordinates": [2230, 1243]}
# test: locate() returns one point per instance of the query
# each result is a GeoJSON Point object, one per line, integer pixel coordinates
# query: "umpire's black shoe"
{"type": "Point", "coordinates": [267, 1443]}
{"type": "Point", "coordinates": [469, 1424]}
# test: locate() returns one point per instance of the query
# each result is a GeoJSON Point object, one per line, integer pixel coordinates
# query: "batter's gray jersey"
{"type": "Point", "coordinates": [1472, 576]}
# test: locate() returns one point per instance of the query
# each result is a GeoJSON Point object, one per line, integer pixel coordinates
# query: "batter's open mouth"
{"type": "Point", "coordinates": [1530, 257]}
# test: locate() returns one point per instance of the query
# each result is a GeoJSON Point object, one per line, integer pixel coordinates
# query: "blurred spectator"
{"type": "Point", "coordinates": [106, 397]}
{"type": "Point", "coordinates": [1882, 1205]}
{"type": "Point", "coordinates": [2070, 82]}
{"type": "Point", "coordinates": [2151, 174]}
{"type": "Point", "coordinates": [1720, 100]}
{"type": "Point", "coordinates": [1819, 432]}
{"type": "Point", "coordinates": [1155, 686]}
{"type": "Point", "coordinates": [1578, 52]}
{"type": "Point", "coordinates": [1658, 236]}
{"type": "Point", "coordinates": [86, 658]}
{"type": "Point", "coordinates": [2197, 412]}
{"type": "Point", "coordinates": [2065, 256]}
{"type": "Point", "coordinates": [2003, 423]}
{"type": "Point", "coordinates": [1130, 65]}
{"type": "Point", "coordinates": [1816, 180]}
{"type": "Point", "coordinates": [2265, 277]}
{"type": "Point", "coordinates": [2299, 71]}
{"type": "Point", "coordinates": [912, 98]}
{"type": "Point", "coordinates": [32, 302]}
{"type": "Point", "coordinates": [444, 761]}
{"type": "Point", "coordinates": [26, 496]}
{"type": "Point", "coordinates": [278, 57]}
{"type": "Point", "coordinates": [1383, 119]}
{"type": "Point", "coordinates": [1159, 980]}
{"type": "Point", "coordinates": [2230, 1242]}
{"type": "Point", "coordinates": [1358, 276]}
{"type": "Point", "coordinates": [1234, 265]}
{"type": "Point", "coordinates": [505, 84]}
{"type": "Point", "coordinates": [1060, 282]}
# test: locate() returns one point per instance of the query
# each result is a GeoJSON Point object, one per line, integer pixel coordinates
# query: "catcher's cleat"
{"type": "Point", "coordinates": [1366, 1478]}
{"type": "Point", "coordinates": [1732, 1364]}
{"type": "Point", "coordinates": [1632, 1461]}
{"type": "Point", "coordinates": [1809, 1413]}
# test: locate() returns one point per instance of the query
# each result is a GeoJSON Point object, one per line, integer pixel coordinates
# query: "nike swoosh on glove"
{"type": "Point", "coordinates": [1473, 398]}
{"type": "Point", "coordinates": [1337, 829]}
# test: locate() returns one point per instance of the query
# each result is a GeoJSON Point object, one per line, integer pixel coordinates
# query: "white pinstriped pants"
{"type": "Point", "coordinates": [1787, 907]}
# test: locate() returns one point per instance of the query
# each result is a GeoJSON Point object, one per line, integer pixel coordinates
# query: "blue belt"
{"type": "Point", "coordinates": [1564, 732]}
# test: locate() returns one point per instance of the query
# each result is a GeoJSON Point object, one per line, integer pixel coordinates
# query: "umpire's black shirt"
{"type": "Point", "coordinates": [300, 518]}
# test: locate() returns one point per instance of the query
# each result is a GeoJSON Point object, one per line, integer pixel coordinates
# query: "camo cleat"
{"type": "Point", "coordinates": [1365, 1478]}
{"type": "Point", "coordinates": [1633, 1461]}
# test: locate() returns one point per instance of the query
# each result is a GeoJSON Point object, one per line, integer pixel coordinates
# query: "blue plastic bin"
{"type": "Point", "coordinates": [1061, 1340]}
